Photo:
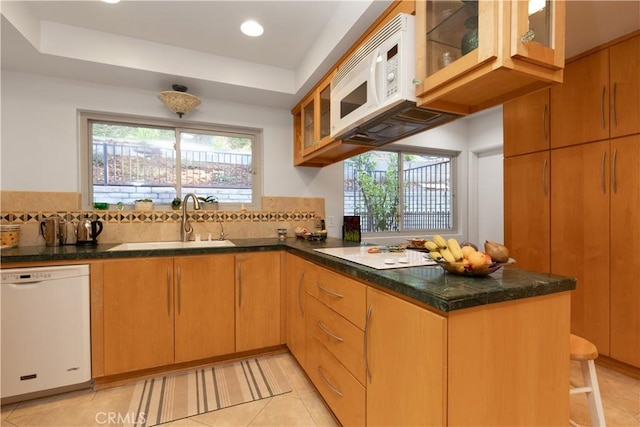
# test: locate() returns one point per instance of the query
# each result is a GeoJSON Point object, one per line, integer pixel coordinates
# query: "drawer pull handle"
{"type": "Point", "coordinates": [602, 175]}
{"type": "Point", "coordinates": [300, 282]}
{"type": "Point", "coordinates": [366, 343]}
{"type": "Point", "coordinates": [335, 294]}
{"type": "Point", "coordinates": [544, 177]}
{"type": "Point", "coordinates": [613, 104]}
{"type": "Point", "coordinates": [168, 292]}
{"type": "Point", "coordinates": [545, 135]}
{"type": "Point", "coordinates": [602, 119]}
{"type": "Point", "coordinates": [239, 286]}
{"type": "Point", "coordinates": [179, 290]}
{"type": "Point", "coordinates": [328, 384]}
{"type": "Point", "coordinates": [328, 332]}
{"type": "Point", "coordinates": [614, 180]}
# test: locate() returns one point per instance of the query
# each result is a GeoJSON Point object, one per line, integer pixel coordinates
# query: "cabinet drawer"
{"type": "Point", "coordinates": [345, 296]}
{"type": "Point", "coordinates": [343, 393]}
{"type": "Point", "coordinates": [338, 335]}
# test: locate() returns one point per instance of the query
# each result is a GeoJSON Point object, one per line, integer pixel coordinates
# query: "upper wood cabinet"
{"type": "Point", "coordinates": [526, 123]}
{"type": "Point", "coordinates": [472, 55]}
{"type": "Point", "coordinates": [315, 112]}
{"type": "Point", "coordinates": [579, 106]}
{"type": "Point", "coordinates": [600, 97]}
{"type": "Point", "coordinates": [527, 207]}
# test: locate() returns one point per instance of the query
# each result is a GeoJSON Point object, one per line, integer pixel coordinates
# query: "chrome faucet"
{"type": "Point", "coordinates": [186, 229]}
{"type": "Point", "coordinates": [222, 235]}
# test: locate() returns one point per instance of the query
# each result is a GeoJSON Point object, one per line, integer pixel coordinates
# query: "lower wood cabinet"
{"type": "Point", "coordinates": [297, 273]}
{"type": "Point", "coordinates": [625, 247]}
{"type": "Point", "coordinates": [580, 234]}
{"type": "Point", "coordinates": [138, 314]}
{"type": "Point", "coordinates": [344, 394]}
{"type": "Point", "coordinates": [335, 345]}
{"type": "Point", "coordinates": [161, 311]}
{"type": "Point", "coordinates": [508, 364]}
{"type": "Point", "coordinates": [258, 300]}
{"type": "Point", "coordinates": [204, 306]}
{"type": "Point", "coordinates": [406, 363]}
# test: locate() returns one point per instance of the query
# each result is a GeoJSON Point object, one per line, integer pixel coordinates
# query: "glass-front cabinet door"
{"type": "Point", "coordinates": [537, 25]}
{"type": "Point", "coordinates": [316, 113]}
{"type": "Point", "coordinates": [325, 112]}
{"type": "Point", "coordinates": [457, 39]}
{"type": "Point", "coordinates": [309, 139]}
{"type": "Point", "coordinates": [467, 51]}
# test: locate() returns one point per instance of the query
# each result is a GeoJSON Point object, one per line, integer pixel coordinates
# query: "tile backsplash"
{"type": "Point", "coordinates": [28, 209]}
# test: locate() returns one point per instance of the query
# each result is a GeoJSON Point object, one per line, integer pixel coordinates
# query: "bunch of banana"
{"type": "Point", "coordinates": [439, 248]}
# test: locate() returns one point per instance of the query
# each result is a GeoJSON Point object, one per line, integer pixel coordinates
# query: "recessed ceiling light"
{"type": "Point", "coordinates": [111, 1]}
{"type": "Point", "coordinates": [252, 28]}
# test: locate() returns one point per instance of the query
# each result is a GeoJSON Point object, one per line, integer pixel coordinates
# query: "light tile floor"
{"type": "Point", "coordinates": [620, 398]}
{"type": "Point", "coordinates": [301, 407]}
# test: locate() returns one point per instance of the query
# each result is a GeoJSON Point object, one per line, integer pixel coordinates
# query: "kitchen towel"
{"type": "Point", "coordinates": [172, 397]}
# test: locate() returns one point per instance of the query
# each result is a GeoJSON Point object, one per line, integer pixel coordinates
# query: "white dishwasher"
{"type": "Point", "coordinates": [45, 328]}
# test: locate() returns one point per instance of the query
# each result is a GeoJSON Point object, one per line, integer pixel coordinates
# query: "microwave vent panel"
{"type": "Point", "coordinates": [397, 24]}
{"type": "Point", "coordinates": [419, 115]}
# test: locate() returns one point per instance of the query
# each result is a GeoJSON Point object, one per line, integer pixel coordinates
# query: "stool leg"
{"type": "Point", "coordinates": [595, 402]}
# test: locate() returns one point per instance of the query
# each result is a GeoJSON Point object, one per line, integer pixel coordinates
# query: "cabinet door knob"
{"type": "Point", "coordinates": [528, 36]}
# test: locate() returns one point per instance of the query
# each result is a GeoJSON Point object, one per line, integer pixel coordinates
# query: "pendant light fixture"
{"type": "Point", "coordinates": [178, 100]}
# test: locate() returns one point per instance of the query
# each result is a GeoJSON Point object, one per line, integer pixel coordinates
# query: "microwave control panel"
{"type": "Point", "coordinates": [392, 64]}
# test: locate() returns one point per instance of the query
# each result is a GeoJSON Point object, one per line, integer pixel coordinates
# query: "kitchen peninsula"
{"type": "Point", "coordinates": [419, 346]}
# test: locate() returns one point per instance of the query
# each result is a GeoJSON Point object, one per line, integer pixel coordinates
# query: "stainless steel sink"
{"type": "Point", "coordinates": [145, 246]}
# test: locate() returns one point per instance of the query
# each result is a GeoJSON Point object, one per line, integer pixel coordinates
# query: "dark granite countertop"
{"type": "Point", "coordinates": [429, 285]}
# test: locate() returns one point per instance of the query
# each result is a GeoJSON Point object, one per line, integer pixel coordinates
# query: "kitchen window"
{"type": "Point", "coordinates": [132, 159]}
{"type": "Point", "coordinates": [405, 190]}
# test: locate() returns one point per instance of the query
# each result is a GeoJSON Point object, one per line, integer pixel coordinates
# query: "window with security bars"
{"type": "Point", "coordinates": [395, 191]}
{"type": "Point", "coordinates": [132, 161]}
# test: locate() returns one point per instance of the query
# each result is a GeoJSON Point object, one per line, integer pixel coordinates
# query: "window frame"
{"type": "Point", "coordinates": [411, 149]}
{"type": "Point", "coordinates": [86, 152]}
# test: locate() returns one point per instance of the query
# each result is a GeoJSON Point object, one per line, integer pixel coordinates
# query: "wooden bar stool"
{"type": "Point", "coordinates": [586, 352]}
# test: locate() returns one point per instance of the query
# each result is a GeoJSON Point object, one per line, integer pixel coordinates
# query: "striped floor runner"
{"type": "Point", "coordinates": [172, 397]}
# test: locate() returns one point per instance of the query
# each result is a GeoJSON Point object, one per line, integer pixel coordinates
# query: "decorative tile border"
{"type": "Point", "coordinates": [158, 216]}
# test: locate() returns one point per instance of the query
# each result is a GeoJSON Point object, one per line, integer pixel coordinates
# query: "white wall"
{"type": "Point", "coordinates": [40, 144]}
{"type": "Point", "coordinates": [486, 219]}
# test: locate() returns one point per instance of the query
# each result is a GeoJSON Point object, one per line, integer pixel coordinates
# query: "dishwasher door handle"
{"type": "Point", "coordinates": [30, 284]}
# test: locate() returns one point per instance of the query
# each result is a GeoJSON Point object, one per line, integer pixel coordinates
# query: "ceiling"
{"type": "Point", "coordinates": [149, 45]}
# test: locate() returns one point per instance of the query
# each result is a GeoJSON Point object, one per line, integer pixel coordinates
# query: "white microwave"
{"type": "Point", "coordinates": [377, 77]}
